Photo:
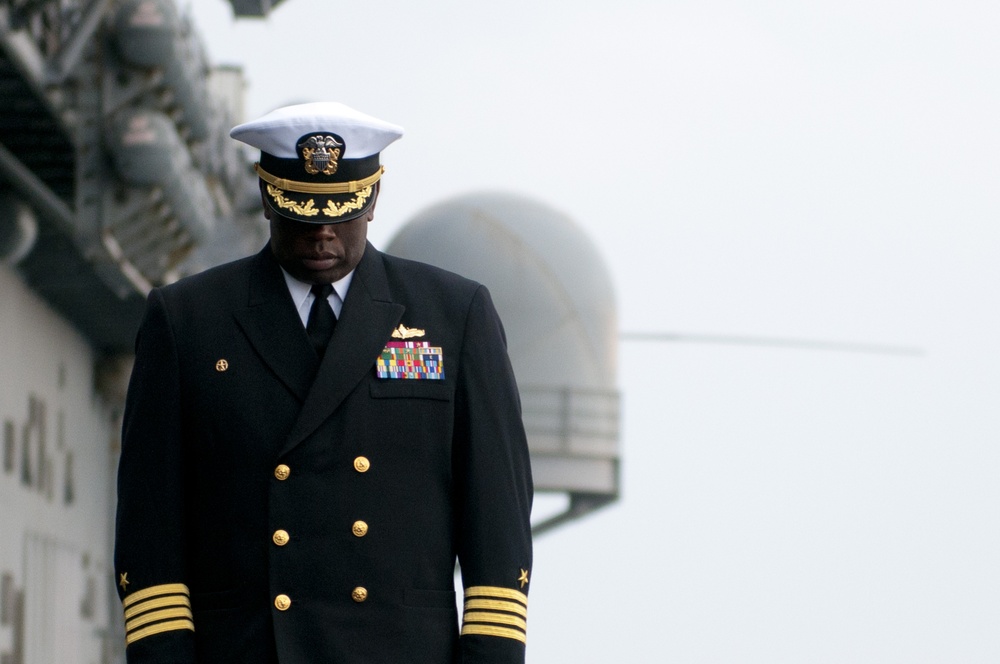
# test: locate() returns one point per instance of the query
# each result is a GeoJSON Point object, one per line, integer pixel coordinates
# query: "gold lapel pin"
{"type": "Point", "coordinates": [221, 365]}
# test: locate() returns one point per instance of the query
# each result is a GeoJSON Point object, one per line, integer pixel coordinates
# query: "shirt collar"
{"type": "Point", "coordinates": [302, 295]}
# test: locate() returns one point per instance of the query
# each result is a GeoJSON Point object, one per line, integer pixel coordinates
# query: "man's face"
{"type": "Point", "coordinates": [318, 253]}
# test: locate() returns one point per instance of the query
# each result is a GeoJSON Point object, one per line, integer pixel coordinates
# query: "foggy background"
{"type": "Point", "coordinates": [783, 169]}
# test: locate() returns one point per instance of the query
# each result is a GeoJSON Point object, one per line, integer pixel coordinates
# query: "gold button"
{"type": "Point", "coordinates": [282, 472]}
{"type": "Point", "coordinates": [359, 594]}
{"type": "Point", "coordinates": [280, 537]}
{"type": "Point", "coordinates": [361, 464]}
{"type": "Point", "coordinates": [360, 529]}
{"type": "Point", "coordinates": [282, 602]}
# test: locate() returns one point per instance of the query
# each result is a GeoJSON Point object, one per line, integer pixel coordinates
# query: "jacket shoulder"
{"type": "Point", "coordinates": [208, 296]}
{"type": "Point", "coordinates": [403, 271]}
{"type": "Point", "coordinates": [218, 278]}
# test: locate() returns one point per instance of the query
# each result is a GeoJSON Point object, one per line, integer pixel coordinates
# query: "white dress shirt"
{"type": "Point", "coordinates": [303, 298]}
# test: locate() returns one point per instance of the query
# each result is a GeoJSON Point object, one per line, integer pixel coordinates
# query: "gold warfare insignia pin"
{"type": "Point", "coordinates": [321, 154]}
{"type": "Point", "coordinates": [403, 332]}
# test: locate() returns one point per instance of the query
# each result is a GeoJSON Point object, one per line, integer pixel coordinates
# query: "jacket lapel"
{"type": "Point", "coordinates": [365, 325]}
{"type": "Point", "coordinates": [274, 328]}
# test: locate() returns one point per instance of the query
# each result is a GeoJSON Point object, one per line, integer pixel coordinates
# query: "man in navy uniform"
{"type": "Point", "coordinates": [315, 434]}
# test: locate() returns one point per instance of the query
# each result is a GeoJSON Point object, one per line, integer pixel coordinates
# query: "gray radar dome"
{"type": "Point", "coordinates": [554, 294]}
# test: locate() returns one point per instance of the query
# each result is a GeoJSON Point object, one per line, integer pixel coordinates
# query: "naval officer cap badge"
{"type": "Point", "coordinates": [319, 162]}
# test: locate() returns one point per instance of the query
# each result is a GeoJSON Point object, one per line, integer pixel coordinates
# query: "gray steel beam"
{"type": "Point", "coordinates": [580, 505]}
{"type": "Point", "coordinates": [31, 187]}
{"type": "Point", "coordinates": [66, 60]}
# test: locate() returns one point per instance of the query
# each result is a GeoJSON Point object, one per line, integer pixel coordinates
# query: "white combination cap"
{"type": "Point", "coordinates": [320, 161]}
{"type": "Point", "coordinates": [280, 131]}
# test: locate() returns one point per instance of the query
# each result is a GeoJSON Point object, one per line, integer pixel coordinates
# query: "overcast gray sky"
{"type": "Point", "coordinates": [788, 169]}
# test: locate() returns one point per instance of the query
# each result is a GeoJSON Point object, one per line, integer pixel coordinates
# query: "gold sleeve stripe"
{"type": "Point", "coordinates": [159, 628]}
{"type": "Point", "coordinates": [162, 614]}
{"type": "Point", "coordinates": [490, 630]}
{"type": "Point", "coordinates": [158, 603]}
{"type": "Point", "coordinates": [497, 592]}
{"type": "Point", "coordinates": [496, 605]}
{"type": "Point", "coordinates": [490, 617]}
{"type": "Point", "coordinates": [153, 591]}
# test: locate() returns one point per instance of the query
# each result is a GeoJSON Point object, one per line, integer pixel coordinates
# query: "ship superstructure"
{"type": "Point", "coordinates": [116, 175]}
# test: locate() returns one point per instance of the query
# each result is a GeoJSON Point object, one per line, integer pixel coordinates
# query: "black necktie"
{"type": "Point", "coordinates": [321, 318]}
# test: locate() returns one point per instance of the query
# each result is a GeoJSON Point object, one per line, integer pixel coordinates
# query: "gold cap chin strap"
{"type": "Point", "coordinates": [318, 187]}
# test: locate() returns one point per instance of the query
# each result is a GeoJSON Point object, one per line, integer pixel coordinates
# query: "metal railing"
{"type": "Point", "coordinates": [570, 421]}
{"type": "Point", "coordinates": [573, 436]}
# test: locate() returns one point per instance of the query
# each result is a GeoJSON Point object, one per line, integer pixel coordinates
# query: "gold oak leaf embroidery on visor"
{"type": "Point", "coordinates": [307, 210]}
{"type": "Point", "coordinates": [495, 611]}
{"type": "Point", "coordinates": [157, 609]}
{"type": "Point", "coordinates": [339, 209]}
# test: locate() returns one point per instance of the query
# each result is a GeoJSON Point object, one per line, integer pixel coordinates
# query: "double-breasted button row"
{"type": "Point", "coordinates": [284, 602]}
{"type": "Point", "coordinates": [360, 528]}
{"type": "Point", "coordinates": [281, 537]}
{"type": "Point", "coordinates": [361, 464]}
